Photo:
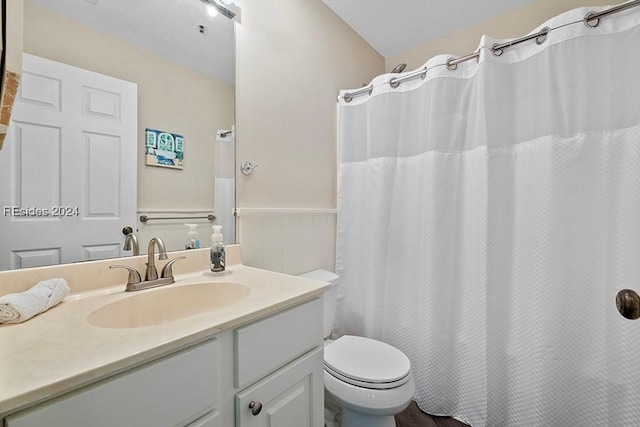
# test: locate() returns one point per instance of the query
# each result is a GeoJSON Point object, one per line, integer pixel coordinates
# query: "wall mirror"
{"type": "Point", "coordinates": [180, 59]}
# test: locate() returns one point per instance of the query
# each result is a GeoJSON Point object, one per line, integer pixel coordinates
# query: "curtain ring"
{"type": "Point", "coordinates": [495, 51]}
{"type": "Point", "coordinates": [589, 22]}
{"type": "Point", "coordinates": [543, 37]}
{"type": "Point", "coordinates": [450, 66]}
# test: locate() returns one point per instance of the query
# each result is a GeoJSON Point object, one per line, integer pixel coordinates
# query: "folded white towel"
{"type": "Point", "coordinates": [16, 308]}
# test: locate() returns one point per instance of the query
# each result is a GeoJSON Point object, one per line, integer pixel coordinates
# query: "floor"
{"type": "Point", "coordinates": [414, 417]}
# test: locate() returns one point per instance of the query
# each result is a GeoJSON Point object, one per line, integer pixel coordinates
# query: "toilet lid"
{"type": "Point", "coordinates": [366, 363]}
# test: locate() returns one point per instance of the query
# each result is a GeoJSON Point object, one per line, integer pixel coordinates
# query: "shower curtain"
{"type": "Point", "coordinates": [488, 215]}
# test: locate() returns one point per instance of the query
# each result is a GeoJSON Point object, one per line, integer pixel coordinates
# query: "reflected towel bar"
{"type": "Point", "coordinates": [144, 218]}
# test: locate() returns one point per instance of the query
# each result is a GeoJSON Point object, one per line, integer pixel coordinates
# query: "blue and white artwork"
{"type": "Point", "coordinates": [164, 149]}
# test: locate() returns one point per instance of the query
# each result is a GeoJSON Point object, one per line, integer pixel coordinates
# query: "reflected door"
{"type": "Point", "coordinates": [68, 166]}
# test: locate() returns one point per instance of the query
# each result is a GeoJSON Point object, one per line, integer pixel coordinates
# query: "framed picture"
{"type": "Point", "coordinates": [164, 149]}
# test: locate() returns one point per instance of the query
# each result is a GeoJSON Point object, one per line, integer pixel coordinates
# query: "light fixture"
{"type": "Point", "coordinates": [224, 7]}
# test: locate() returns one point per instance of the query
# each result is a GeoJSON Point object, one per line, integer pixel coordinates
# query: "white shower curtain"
{"type": "Point", "coordinates": [487, 216]}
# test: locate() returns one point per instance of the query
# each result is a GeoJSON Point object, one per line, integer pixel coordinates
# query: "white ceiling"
{"type": "Point", "coordinates": [170, 27]}
{"type": "Point", "coordinates": [394, 26]}
{"type": "Point", "coordinates": [166, 27]}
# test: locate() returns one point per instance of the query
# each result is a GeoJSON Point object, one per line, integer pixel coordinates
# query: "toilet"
{"type": "Point", "coordinates": [366, 381]}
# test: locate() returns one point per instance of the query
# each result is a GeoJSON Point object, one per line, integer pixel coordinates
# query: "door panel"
{"type": "Point", "coordinates": [70, 164]}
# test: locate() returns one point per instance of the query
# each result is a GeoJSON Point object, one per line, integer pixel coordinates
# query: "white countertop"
{"type": "Point", "coordinates": [59, 350]}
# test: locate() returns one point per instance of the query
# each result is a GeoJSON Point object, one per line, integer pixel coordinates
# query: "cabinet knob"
{"type": "Point", "coordinates": [256, 407]}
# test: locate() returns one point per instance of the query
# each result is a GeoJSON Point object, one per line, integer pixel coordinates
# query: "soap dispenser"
{"type": "Point", "coordinates": [217, 249]}
{"type": "Point", "coordinates": [192, 241]}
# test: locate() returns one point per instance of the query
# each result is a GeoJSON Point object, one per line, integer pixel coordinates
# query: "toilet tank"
{"type": "Point", "coordinates": [330, 297]}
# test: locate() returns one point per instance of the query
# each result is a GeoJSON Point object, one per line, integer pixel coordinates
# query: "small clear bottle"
{"type": "Point", "coordinates": [217, 249]}
{"type": "Point", "coordinates": [192, 242]}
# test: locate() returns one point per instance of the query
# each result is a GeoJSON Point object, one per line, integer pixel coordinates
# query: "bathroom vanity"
{"type": "Point", "coordinates": [255, 361]}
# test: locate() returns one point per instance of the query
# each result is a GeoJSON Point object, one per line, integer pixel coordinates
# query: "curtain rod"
{"type": "Point", "coordinates": [220, 7]}
{"type": "Point", "coordinates": [591, 20]}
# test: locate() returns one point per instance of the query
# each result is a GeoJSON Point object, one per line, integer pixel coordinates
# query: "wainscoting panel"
{"type": "Point", "coordinates": [291, 241]}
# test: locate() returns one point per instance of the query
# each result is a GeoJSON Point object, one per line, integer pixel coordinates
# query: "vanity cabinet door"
{"type": "Point", "coordinates": [291, 396]}
{"type": "Point", "coordinates": [170, 392]}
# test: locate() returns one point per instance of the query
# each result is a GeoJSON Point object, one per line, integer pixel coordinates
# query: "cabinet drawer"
{"type": "Point", "coordinates": [268, 344]}
{"type": "Point", "coordinates": [170, 392]}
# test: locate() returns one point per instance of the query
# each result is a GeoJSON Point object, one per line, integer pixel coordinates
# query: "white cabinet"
{"type": "Point", "coordinates": [173, 391]}
{"type": "Point", "coordinates": [212, 419]}
{"type": "Point", "coordinates": [291, 396]}
{"type": "Point", "coordinates": [275, 362]}
{"type": "Point", "coordinates": [285, 350]}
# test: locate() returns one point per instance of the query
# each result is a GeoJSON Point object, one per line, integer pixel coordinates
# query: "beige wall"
{"type": "Point", "coordinates": [292, 58]}
{"type": "Point", "coordinates": [170, 97]}
{"type": "Point", "coordinates": [514, 24]}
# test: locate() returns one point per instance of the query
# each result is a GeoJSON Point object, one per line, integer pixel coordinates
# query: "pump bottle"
{"type": "Point", "coordinates": [217, 249]}
{"type": "Point", "coordinates": [192, 241]}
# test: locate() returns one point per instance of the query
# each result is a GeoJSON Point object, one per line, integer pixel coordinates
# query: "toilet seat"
{"type": "Point", "coordinates": [367, 363]}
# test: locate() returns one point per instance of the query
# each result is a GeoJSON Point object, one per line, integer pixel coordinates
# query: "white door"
{"type": "Point", "coordinates": [68, 166]}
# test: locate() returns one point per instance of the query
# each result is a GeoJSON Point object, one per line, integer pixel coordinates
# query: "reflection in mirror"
{"type": "Point", "coordinates": [178, 62]}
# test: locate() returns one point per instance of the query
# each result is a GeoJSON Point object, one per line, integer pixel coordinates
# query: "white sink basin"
{"type": "Point", "coordinates": [166, 304]}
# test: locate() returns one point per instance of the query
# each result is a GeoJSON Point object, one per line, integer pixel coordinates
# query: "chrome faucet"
{"type": "Point", "coordinates": [129, 240]}
{"type": "Point", "coordinates": [152, 273]}
{"type": "Point", "coordinates": [151, 280]}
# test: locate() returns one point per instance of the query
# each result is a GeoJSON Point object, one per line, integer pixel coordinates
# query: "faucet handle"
{"type": "Point", "coordinates": [167, 269]}
{"type": "Point", "coordinates": [134, 276]}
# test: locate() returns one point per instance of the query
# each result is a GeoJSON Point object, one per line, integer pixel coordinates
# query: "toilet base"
{"type": "Point", "coordinates": [351, 418]}
{"type": "Point", "coordinates": [335, 416]}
